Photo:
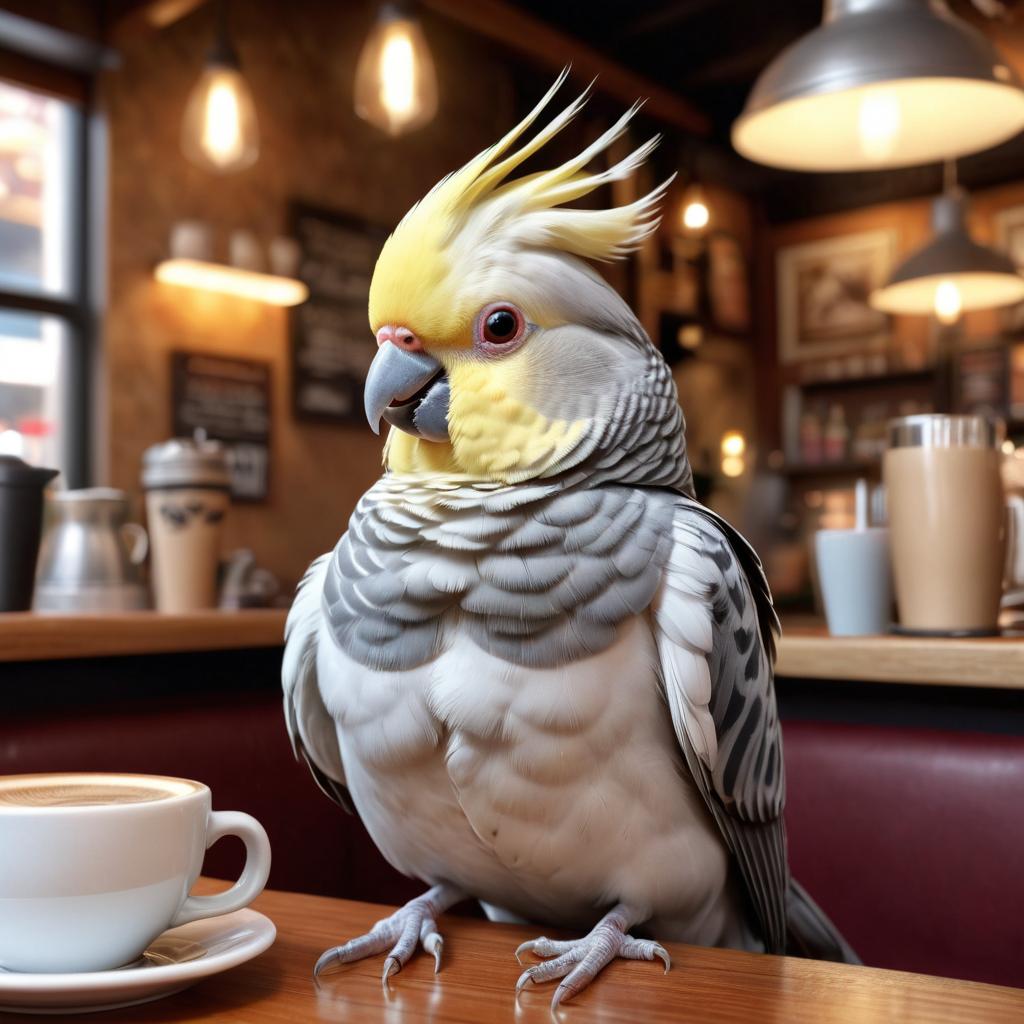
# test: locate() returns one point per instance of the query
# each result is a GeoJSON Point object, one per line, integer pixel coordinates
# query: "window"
{"type": "Point", "coordinates": [43, 318]}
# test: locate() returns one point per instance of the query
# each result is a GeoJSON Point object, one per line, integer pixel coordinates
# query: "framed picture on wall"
{"type": "Point", "coordinates": [728, 284]}
{"type": "Point", "coordinates": [1010, 238]}
{"type": "Point", "coordinates": [823, 290]}
{"type": "Point", "coordinates": [1017, 382]}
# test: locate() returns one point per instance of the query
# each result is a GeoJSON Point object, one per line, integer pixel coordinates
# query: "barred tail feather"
{"type": "Point", "coordinates": [809, 931]}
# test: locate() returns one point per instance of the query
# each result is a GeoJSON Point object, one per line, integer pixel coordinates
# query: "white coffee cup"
{"type": "Point", "coordinates": [855, 580]}
{"type": "Point", "coordinates": [93, 867]}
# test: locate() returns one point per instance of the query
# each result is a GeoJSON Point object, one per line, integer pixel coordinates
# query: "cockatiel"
{"type": "Point", "coordinates": [537, 667]}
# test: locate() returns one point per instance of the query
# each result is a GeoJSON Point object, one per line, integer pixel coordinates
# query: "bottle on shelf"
{"type": "Point", "coordinates": [836, 437]}
{"type": "Point", "coordinates": [811, 438]}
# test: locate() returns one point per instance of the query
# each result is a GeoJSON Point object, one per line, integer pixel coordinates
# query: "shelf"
{"type": "Point", "coordinates": [899, 378]}
{"type": "Point", "coordinates": [831, 469]}
{"type": "Point", "coordinates": [30, 636]}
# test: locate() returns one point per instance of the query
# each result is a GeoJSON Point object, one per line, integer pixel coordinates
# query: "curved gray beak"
{"type": "Point", "coordinates": [409, 390]}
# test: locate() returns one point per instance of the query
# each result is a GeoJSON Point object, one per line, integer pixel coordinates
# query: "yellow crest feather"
{"type": "Point", "coordinates": [432, 269]}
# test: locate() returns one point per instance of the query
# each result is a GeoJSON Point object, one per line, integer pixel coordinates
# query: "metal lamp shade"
{"type": "Point", "coordinates": [881, 83]}
{"type": "Point", "coordinates": [983, 277]}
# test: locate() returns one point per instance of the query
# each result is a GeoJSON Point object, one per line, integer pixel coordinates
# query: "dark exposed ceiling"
{"type": "Point", "coordinates": [711, 52]}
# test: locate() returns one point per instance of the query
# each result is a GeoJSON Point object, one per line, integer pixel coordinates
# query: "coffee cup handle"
{"type": "Point", "coordinates": [254, 874]}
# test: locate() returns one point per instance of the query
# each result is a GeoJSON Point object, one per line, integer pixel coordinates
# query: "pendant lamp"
{"type": "Point", "coordinates": [220, 131]}
{"type": "Point", "coordinates": [396, 86]}
{"type": "Point", "coordinates": [952, 272]}
{"type": "Point", "coordinates": [881, 83]}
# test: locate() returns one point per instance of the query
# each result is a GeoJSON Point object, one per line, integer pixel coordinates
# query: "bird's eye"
{"type": "Point", "coordinates": [501, 325]}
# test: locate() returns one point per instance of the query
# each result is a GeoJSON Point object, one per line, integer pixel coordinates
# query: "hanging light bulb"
{"type": "Point", "coordinates": [878, 125]}
{"type": "Point", "coordinates": [949, 302]}
{"type": "Point", "coordinates": [396, 87]}
{"type": "Point", "coordinates": [220, 131]}
{"type": "Point", "coordinates": [696, 214]}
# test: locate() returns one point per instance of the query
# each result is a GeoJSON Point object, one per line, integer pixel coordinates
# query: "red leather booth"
{"type": "Point", "coordinates": [913, 841]}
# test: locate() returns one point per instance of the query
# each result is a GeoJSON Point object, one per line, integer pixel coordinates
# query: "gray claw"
{"type": "Point", "coordinates": [391, 966]}
{"type": "Point", "coordinates": [529, 944]}
{"type": "Point", "coordinates": [662, 954]}
{"type": "Point", "coordinates": [560, 993]}
{"type": "Point", "coordinates": [434, 943]}
{"type": "Point", "coordinates": [526, 978]}
{"type": "Point", "coordinates": [327, 958]}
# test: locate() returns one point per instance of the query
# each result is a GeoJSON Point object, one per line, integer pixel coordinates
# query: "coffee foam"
{"type": "Point", "coordinates": [89, 790]}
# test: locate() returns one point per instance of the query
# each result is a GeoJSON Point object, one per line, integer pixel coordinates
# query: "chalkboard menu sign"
{"type": "Point", "coordinates": [228, 399]}
{"type": "Point", "coordinates": [332, 346]}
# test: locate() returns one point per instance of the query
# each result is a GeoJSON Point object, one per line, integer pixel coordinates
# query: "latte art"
{"type": "Point", "coordinates": [80, 796]}
{"type": "Point", "coordinates": [88, 790]}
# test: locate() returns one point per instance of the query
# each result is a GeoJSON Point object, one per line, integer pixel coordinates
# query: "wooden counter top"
{"type": "Point", "coordinates": [28, 636]}
{"type": "Point", "coordinates": [810, 653]}
{"type": "Point", "coordinates": [805, 652]}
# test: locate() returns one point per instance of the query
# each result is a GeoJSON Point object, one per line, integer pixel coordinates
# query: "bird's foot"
{"type": "Point", "coordinates": [579, 961]}
{"type": "Point", "coordinates": [415, 922]}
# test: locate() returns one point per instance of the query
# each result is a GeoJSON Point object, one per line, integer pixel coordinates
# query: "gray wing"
{"type": "Point", "coordinates": [310, 726]}
{"type": "Point", "coordinates": [715, 628]}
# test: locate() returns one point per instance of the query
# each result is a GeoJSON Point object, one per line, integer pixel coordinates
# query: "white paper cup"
{"type": "Point", "coordinates": [855, 579]}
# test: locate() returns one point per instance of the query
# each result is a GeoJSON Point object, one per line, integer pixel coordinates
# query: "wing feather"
{"type": "Point", "coordinates": [714, 611]}
{"type": "Point", "coordinates": [311, 729]}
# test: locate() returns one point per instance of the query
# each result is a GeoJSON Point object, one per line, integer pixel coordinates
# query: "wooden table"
{"type": "Point", "coordinates": [477, 981]}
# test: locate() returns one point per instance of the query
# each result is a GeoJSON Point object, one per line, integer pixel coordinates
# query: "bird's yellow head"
{"type": "Point", "coordinates": [500, 351]}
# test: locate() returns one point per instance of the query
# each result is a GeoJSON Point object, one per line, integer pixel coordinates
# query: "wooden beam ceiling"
{"type": "Point", "coordinates": [151, 15]}
{"type": "Point", "coordinates": [534, 39]}
{"type": "Point", "coordinates": [516, 30]}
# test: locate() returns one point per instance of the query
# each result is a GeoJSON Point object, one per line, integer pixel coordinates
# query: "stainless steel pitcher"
{"type": "Point", "coordinates": [91, 554]}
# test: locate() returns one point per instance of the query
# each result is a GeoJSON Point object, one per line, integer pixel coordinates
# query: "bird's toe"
{"type": "Point", "coordinates": [579, 961]}
{"type": "Point", "coordinates": [398, 935]}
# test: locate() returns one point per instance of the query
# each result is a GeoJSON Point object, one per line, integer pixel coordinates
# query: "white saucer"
{"type": "Point", "coordinates": [178, 958]}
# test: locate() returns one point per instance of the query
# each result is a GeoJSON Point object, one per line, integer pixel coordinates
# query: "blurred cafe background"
{"type": "Point", "coordinates": [192, 196]}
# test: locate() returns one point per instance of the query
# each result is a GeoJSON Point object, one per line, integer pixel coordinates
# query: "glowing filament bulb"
{"type": "Point", "coordinates": [222, 132]}
{"type": "Point", "coordinates": [733, 447]}
{"type": "Point", "coordinates": [879, 125]}
{"type": "Point", "coordinates": [733, 443]}
{"type": "Point", "coordinates": [395, 87]}
{"type": "Point", "coordinates": [948, 302]}
{"type": "Point", "coordinates": [398, 73]}
{"type": "Point", "coordinates": [696, 214]}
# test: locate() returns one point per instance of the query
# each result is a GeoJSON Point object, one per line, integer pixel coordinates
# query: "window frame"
{"type": "Point", "coordinates": [43, 59]}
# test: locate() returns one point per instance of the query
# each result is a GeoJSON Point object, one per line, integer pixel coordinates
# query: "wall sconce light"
{"type": "Point", "coordinates": [190, 265]}
{"type": "Point", "coordinates": [228, 280]}
{"type": "Point", "coordinates": [733, 451]}
{"type": "Point", "coordinates": [220, 131]}
{"type": "Point", "coordinates": [396, 87]}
